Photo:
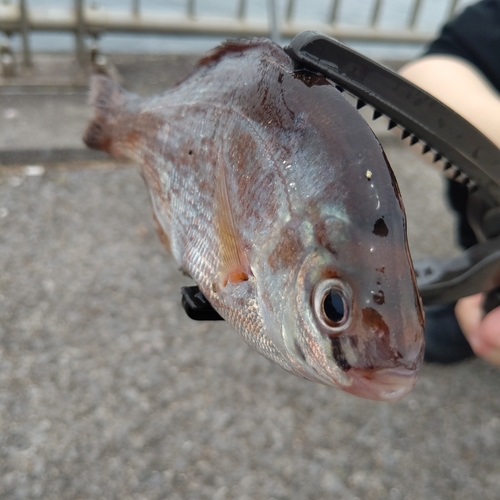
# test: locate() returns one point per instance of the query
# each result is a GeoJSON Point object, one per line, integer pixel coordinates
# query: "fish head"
{"type": "Point", "coordinates": [356, 319]}
{"type": "Point", "coordinates": [340, 285]}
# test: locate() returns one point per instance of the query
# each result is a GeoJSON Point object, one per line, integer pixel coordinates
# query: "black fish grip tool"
{"type": "Point", "coordinates": [466, 154]}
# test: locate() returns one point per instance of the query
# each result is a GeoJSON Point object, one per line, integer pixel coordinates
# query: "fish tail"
{"type": "Point", "coordinates": [108, 99]}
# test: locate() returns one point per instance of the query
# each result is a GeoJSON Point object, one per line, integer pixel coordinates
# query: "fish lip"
{"type": "Point", "coordinates": [384, 384]}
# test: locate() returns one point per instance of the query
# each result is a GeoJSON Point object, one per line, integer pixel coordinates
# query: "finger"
{"type": "Point", "coordinates": [469, 314]}
{"type": "Point", "coordinates": [482, 333]}
{"type": "Point", "coordinates": [489, 335]}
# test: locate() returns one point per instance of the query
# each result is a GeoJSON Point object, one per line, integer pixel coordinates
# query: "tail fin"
{"type": "Point", "coordinates": [107, 97]}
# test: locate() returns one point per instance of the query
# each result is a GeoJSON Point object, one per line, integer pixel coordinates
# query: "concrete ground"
{"type": "Point", "coordinates": [107, 389]}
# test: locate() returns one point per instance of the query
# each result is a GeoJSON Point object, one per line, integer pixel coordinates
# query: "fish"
{"type": "Point", "coordinates": [272, 192]}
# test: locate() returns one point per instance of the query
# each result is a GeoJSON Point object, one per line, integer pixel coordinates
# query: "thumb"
{"type": "Point", "coordinates": [489, 335]}
{"type": "Point", "coordinates": [482, 333]}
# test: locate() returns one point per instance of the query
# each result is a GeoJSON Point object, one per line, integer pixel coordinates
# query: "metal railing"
{"type": "Point", "coordinates": [86, 19]}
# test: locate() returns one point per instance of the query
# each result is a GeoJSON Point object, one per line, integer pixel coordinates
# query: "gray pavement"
{"type": "Point", "coordinates": [108, 391]}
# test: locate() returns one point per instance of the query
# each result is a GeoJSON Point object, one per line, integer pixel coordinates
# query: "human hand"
{"type": "Point", "coordinates": [482, 332]}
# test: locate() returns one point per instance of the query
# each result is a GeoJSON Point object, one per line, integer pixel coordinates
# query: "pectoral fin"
{"type": "Point", "coordinates": [234, 265]}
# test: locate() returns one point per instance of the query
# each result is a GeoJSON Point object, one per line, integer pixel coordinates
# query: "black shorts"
{"type": "Point", "coordinates": [474, 35]}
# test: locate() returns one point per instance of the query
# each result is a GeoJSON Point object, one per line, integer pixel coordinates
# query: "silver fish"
{"type": "Point", "coordinates": [274, 195]}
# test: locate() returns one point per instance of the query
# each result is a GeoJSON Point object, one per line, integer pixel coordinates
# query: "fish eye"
{"type": "Point", "coordinates": [331, 300]}
{"type": "Point", "coordinates": [334, 307]}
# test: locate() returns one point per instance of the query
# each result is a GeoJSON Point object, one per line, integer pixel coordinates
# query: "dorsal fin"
{"type": "Point", "coordinates": [229, 46]}
{"type": "Point", "coordinates": [235, 46]}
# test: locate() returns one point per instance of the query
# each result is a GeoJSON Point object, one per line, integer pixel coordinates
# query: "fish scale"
{"type": "Point", "coordinates": [193, 212]}
{"type": "Point", "coordinates": [275, 196]}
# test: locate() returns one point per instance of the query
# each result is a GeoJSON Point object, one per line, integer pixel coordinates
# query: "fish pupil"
{"type": "Point", "coordinates": [334, 307]}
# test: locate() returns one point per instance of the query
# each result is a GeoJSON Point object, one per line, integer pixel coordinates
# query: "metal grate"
{"type": "Point", "coordinates": [87, 18]}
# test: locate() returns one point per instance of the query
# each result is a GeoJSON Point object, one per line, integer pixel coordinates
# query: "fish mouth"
{"type": "Point", "coordinates": [386, 384]}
